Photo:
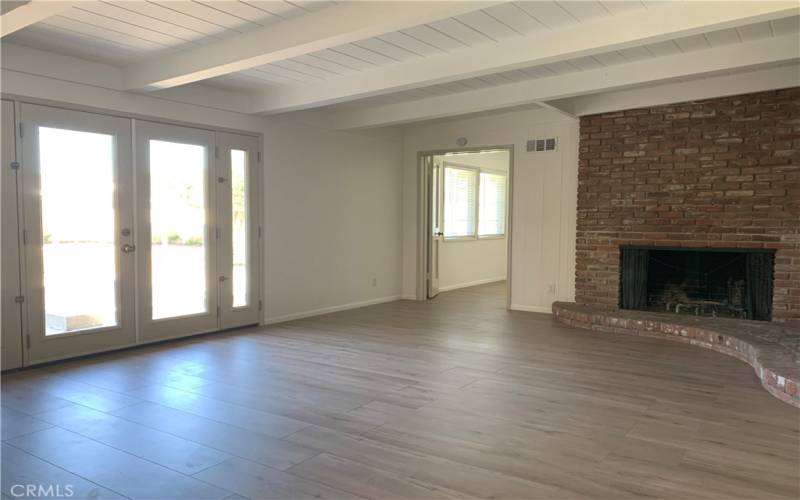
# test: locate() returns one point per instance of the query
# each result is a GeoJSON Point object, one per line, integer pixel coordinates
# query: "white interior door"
{"type": "Point", "coordinates": [11, 287]}
{"type": "Point", "coordinates": [237, 214]}
{"type": "Point", "coordinates": [435, 223]}
{"type": "Point", "coordinates": [178, 231]}
{"type": "Point", "coordinates": [77, 183]}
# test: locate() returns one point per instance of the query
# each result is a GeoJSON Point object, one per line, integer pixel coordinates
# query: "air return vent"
{"type": "Point", "coordinates": [542, 145]}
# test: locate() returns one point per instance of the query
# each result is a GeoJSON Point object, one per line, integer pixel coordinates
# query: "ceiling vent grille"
{"type": "Point", "coordinates": [542, 145]}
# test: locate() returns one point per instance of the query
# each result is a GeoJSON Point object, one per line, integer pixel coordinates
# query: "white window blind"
{"type": "Point", "coordinates": [492, 205]}
{"type": "Point", "coordinates": [460, 192]}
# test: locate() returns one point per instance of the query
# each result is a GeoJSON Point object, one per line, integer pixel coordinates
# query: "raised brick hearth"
{"type": "Point", "coordinates": [772, 349]}
{"type": "Point", "coordinates": [718, 173]}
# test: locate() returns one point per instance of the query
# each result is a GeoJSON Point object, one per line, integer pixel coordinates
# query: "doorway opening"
{"type": "Point", "coordinates": [466, 219]}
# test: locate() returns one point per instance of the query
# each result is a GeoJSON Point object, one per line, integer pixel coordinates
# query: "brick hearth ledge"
{"type": "Point", "coordinates": [772, 349]}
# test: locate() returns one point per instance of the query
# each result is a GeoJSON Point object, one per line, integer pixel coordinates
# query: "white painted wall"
{"type": "Point", "coordinates": [544, 199]}
{"type": "Point", "coordinates": [333, 206]}
{"type": "Point", "coordinates": [465, 263]}
{"type": "Point", "coordinates": [333, 219]}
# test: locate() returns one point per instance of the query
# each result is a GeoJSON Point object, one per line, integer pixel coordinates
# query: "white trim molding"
{"type": "Point", "coordinates": [472, 283]}
{"type": "Point", "coordinates": [328, 310]}
{"type": "Point", "coordinates": [536, 309]}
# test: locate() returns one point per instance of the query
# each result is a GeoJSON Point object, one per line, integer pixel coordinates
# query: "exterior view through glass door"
{"type": "Point", "coordinates": [177, 230]}
{"type": "Point", "coordinates": [78, 210]}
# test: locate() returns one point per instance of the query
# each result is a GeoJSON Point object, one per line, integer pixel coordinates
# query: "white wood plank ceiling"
{"type": "Point", "coordinates": [122, 33]}
{"type": "Point", "coordinates": [692, 43]}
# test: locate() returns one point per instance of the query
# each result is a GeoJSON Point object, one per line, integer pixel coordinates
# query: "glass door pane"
{"type": "Point", "coordinates": [78, 230]}
{"type": "Point", "coordinates": [178, 223]}
{"type": "Point", "coordinates": [239, 222]}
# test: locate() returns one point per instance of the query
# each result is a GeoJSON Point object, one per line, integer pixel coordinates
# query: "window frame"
{"type": "Point", "coordinates": [477, 172]}
{"type": "Point", "coordinates": [496, 236]}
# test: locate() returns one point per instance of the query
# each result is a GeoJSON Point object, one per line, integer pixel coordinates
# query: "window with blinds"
{"type": "Point", "coordinates": [492, 204]}
{"type": "Point", "coordinates": [460, 189]}
{"type": "Point", "coordinates": [474, 202]}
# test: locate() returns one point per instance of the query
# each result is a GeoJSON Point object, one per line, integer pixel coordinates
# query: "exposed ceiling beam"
{"type": "Point", "coordinates": [323, 29]}
{"type": "Point", "coordinates": [772, 51]}
{"type": "Point", "coordinates": [19, 15]}
{"type": "Point", "coordinates": [744, 82]}
{"type": "Point", "coordinates": [627, 30]}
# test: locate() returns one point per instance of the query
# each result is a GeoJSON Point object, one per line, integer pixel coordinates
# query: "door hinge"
{"type": "Point", "coordinates": [216, 232]}
{"type": "Point", "coordinates": [218, 311]}
{"type": "Point", "coordinates": [24, 236]}
{"type": "Point", "coordinates": [259, 231]}
{"type": "Point", "coordinates": [216, 151]}
{"type": "Point", "coordinates": [14, 165]}
{"type": "Point", "coordinates": [28, 341]}
{"type": "Point", "coordinates": [259, 305]}
{"type": "Point", "coordinates": [259, 156]}
{"type": "Point", "coordinates": [21, 130]}
{"type": "Point", "coordinates": [19, 299]}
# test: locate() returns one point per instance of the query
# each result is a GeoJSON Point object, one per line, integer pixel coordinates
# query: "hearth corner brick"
{"type": "Point", "coordinates": [714, 173]}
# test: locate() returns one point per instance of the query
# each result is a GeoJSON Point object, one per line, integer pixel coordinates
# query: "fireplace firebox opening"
{"type": "Point", "coordinates": [728, 283]}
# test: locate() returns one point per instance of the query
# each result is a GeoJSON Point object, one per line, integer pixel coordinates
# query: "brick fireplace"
{"type": "Point", "coordinates": [714, 174]}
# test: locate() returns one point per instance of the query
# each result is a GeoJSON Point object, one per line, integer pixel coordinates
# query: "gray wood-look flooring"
{"type": "Point", "coordinates": [454, 397]}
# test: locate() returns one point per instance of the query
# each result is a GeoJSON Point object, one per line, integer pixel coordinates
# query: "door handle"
{"type": "Point", "coordinates": [126, 248]}
{"type": "Point", "coordinates": [438, 234]}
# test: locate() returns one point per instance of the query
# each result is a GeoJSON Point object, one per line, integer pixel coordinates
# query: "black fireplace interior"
{"type": "Point", "coordinates": [726, 283]}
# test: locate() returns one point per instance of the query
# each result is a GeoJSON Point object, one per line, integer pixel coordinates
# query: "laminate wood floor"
{"type": "Point", "coordinates": [454, 397]}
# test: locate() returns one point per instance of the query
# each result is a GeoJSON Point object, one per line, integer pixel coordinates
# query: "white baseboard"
{"type": "Point", "coordinates": [471, 283]}
{"type": "Point", "coordinates": [536, 309]}
{"type": "Point", "coordinates": [328, 310]}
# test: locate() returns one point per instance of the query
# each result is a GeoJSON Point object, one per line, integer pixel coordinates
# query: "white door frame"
{"type": "Point", "coordinates": [434, 175]}
{"type": "Point", "coordinates": [423, 232]}
{"type": "Point", "coordinates": [11, 323]}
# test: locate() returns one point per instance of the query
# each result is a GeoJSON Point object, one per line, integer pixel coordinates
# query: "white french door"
{"type": "Point", "coordinates": [177, 231]}
{"type": "Point", "coordinates": [116, 252]}
{"type": "Point", "coordinates": [78, 209]}
{"type": "Point", "coordinates": [237, 216]}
